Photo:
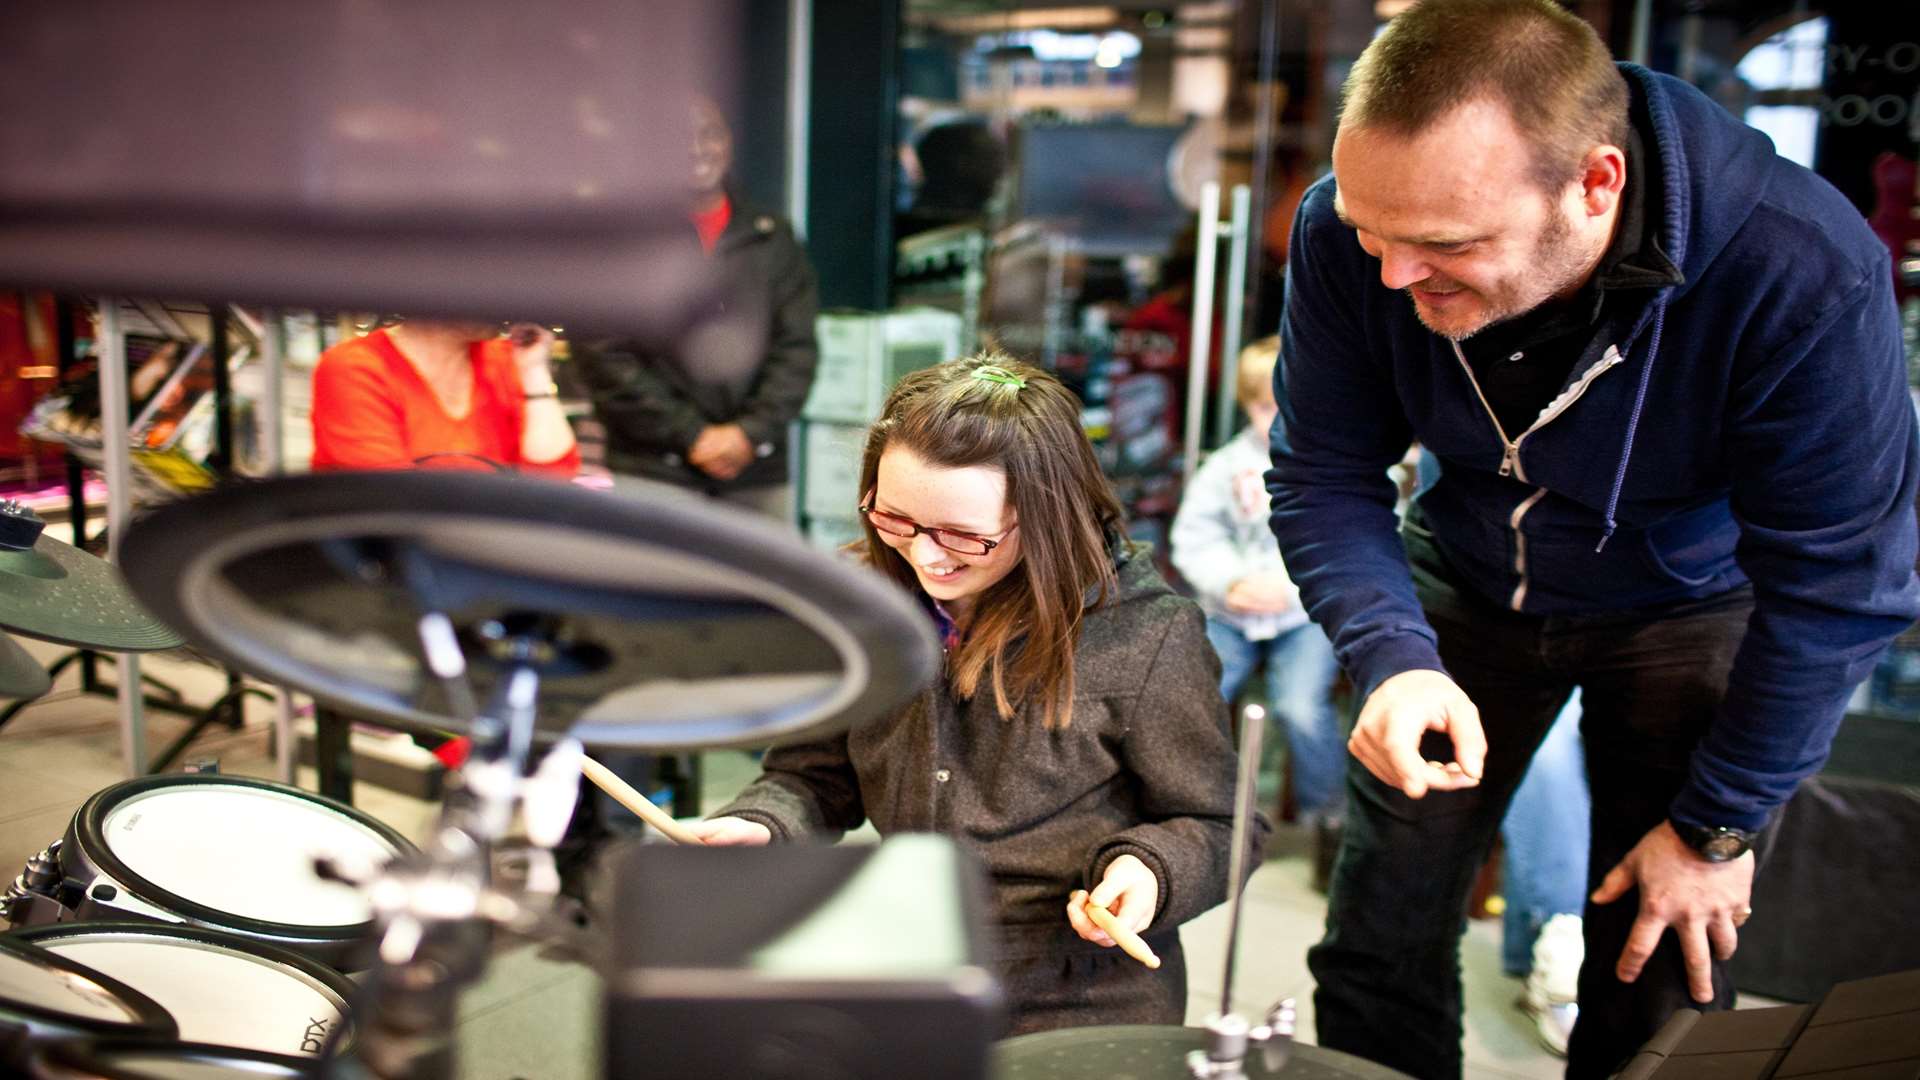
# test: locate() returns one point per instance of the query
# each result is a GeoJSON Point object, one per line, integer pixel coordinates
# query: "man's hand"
{"type": "Point", "coordinates": [1703, 902]}
{"type": "Point", "coordinates": [730, 832]}
{"type": "Point", "coordinates": [1128, 890]}
{"type": "Point", "coordinates": [721, 451]}
{"type": "Point", "coordinates": [1386, 738]}
{"type": "Point", "coordinates": [1260, 594]}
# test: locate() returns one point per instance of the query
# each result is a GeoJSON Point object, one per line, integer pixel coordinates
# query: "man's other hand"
{"type": "Point", "coordinates": [1398, 713]}
{"type": "Point", "coordinates": [1703, 902]}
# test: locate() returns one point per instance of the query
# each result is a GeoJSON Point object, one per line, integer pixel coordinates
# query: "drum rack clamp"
{"type": "Point", "coordinates": [35, 885]}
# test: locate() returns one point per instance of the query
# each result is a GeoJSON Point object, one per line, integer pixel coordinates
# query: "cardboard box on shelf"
{"type": "Point", "coordinates": [830, 469]}
{"type": "Point", "coordinates": [863, 355]}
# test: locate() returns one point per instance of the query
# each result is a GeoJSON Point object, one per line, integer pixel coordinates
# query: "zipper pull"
{"type": "Point", "coordinates": [1510, 460]}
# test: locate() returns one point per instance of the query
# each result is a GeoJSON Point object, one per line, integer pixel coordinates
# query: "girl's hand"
{"type": "Point", "coordinates": [730, 832]}
{"type": "Point", "coordinates": [1128, 890]}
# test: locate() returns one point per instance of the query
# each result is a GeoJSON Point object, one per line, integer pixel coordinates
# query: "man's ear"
{"type": "Point", "coordinates": [1603, 176]}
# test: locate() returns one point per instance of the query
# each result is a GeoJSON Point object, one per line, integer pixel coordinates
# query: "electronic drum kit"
{"type": "Point", "coordinates": [206, 926]}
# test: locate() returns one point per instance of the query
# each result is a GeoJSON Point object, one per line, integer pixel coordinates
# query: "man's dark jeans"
{"type": "Point", "coordinates": [1389, 969]}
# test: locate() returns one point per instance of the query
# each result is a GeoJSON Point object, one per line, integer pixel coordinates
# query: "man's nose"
{"type": "Point", "coordinates": [1401, 266]}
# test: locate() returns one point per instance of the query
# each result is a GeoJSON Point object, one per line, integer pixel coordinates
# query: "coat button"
{"type": "Point", "coordinates": [942, 775]}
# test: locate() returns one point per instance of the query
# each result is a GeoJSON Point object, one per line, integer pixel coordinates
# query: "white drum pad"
{"type": "Point", "coordinates": [245, 851]}
{"type": "Point", "coordinates": [217, 994]}
{"type": "Point", "coordinates": [59, 991]}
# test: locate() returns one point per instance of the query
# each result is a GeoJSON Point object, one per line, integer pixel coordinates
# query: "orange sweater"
{"type": "Point", "coordinates": [372, 410]}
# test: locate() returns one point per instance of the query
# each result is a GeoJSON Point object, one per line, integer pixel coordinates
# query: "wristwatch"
{"type": "Point", "coordinates": [1716, 843]}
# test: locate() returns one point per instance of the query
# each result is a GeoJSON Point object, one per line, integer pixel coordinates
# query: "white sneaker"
{"type": "Point", "coordinates": [1553, 987]}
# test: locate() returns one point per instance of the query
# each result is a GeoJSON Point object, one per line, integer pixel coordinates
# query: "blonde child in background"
{"type": "Point", "coordinates": [1222, 545]}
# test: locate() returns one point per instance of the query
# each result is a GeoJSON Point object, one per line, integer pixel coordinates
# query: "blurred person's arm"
{"type": "Point", "coordinates": [357, 420]}
{"type": "Point", "coordinates": [1207, 552]}
{"type": "Point", "coordinates": [1201, 540]}
{"type": "Point", "coordinates": [546, 437]}
{"type": "Point", "coordinates": [1263, 592]}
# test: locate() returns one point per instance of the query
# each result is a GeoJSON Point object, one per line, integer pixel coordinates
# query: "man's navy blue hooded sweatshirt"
{"type": "Point", "coordinates": [1750, 423]}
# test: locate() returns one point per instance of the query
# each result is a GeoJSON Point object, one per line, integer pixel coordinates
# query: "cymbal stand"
{"type": "Point", "coordinates": [435, 913]}
{"type": "Point", "coordinates": [1229, 1035]}
{"type": "Point", "coordinates": [229, 709]}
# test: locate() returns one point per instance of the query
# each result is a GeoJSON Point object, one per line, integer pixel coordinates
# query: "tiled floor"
{"type": "Point", "coordinates": [535, 1017]}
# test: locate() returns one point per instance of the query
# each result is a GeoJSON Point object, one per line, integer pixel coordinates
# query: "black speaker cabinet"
{"type": "Point", "coordinates": [800, 962]}
{"type": "Point", "coordinates": [1835, 897]}
{"type": "Point", "coordinates": [1863, 1030]}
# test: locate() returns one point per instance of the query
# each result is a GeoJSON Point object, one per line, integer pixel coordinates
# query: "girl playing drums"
{"type": "Point", "coordinates": [1077, 743]}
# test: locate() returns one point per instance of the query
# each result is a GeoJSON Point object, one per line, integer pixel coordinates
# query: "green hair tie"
{"type": "Point", "coordinates": [993, 374]}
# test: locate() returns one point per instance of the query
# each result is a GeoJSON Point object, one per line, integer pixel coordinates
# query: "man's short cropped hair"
{"type": "Point", "coordinates": [1546, 65]}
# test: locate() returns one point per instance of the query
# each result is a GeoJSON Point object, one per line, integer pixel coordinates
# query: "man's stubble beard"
{"type": "Point", "coordinates": [1560, 265]}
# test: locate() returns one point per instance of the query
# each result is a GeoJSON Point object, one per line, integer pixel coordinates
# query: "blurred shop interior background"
{"type": "Point", "coordinates": [1105, 190]}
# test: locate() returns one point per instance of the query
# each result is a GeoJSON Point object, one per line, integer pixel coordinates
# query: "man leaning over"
{"type": "Point", "coordinates": [1661, 371]}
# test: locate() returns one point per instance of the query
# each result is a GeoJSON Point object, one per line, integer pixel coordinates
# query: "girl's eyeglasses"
{"type": "Point", "coordinates": [957, 542]}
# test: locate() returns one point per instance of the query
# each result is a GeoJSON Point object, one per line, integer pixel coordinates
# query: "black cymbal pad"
{"type": "Point", "coordinates": [56, 592]}
{"type": "Point", "coordinates": [657, 620]}
{"type": "Point", "coordinates": [21, 676]}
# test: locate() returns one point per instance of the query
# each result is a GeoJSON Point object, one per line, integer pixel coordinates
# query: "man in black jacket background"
{"type": "Point", "coordinates": [711, 414]}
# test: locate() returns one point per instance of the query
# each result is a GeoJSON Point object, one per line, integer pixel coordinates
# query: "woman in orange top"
{"type": "Point", "coordinates": [441, 394]}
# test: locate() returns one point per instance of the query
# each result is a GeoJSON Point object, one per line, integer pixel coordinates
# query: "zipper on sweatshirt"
{"type": "Point", "coordinates": [1510, 451]}
{"type": "Point", "coordinates": [1519, 596]}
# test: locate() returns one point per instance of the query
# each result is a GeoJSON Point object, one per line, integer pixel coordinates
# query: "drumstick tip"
{"type": "Point", "coordinates": [1130, 943]}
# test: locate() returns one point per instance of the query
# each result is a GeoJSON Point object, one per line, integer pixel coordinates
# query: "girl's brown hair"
{"type": "Point", "coordinates": [1019, 419]}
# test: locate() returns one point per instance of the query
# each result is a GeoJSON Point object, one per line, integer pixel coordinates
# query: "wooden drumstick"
{"type": "Point", "coordinates": [624, 794]}
{"type": "Point", "coordinates": [1129, 942]}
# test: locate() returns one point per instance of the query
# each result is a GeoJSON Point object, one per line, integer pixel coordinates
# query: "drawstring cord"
{"type": "Point", "coordinates": [1633, 424]}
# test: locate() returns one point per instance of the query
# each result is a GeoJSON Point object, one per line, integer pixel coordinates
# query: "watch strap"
{"type": "Point", "coordinates": [1714, 843]}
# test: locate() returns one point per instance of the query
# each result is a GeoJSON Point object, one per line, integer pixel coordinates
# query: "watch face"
{"type": "Point", "coordinates": [1724, 847]}
{"type": "Point", "coordinates": [1715, 843]}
